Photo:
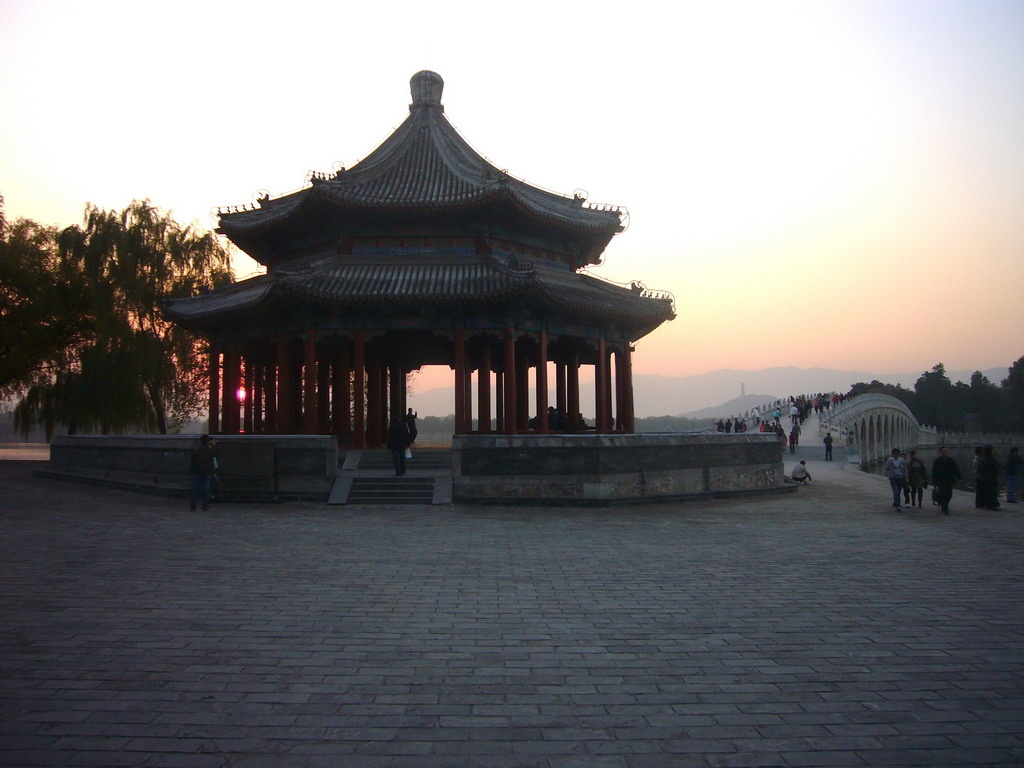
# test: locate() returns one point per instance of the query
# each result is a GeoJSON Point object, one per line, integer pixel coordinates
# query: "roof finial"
{"type": "Point", "coordinates": [426, 89]}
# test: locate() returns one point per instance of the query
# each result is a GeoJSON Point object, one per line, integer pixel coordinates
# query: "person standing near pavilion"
{"type": "Point", "coordinates": [203, 468]}
{"type": "Point", "coordinates": [410, 422]}
{"type": "Point", "coordinates": [828, 446]}
{"type": "Point", "coordinates": [398, 442]}
{"type": "Point", "coordinates": [945, 474]}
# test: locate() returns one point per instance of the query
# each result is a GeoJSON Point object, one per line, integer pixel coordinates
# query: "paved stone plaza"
{"type": "Point", "coordinates": [816, 628]}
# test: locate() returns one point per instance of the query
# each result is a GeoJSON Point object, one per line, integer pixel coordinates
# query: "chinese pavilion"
{"type": "Point", "coordinates": [423, 253]}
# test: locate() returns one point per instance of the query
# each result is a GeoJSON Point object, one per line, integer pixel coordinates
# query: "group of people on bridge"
{"type": "Point", "coordinates": [909, 477]}
{"type": "Point", "coordinates": [773, 415]}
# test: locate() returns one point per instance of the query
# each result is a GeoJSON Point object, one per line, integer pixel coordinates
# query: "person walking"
{"type": "Point", "coordinates": [1013, 462]}
{"type": "Point", "coordinates": [398, 441]}
{"type": "Point", "coordinates": [974, 474]}
{"type": "Point", "coordinates": [945, 474]}
{"type": "Point", "coordinates": [988, 479]}
{"type": "Point", "coordinates": [828, 446]}
{"type": "Point", "coordinates": [917, 479]}
{"type": "Point", "coordinates": [896, 470]}
{"type": "Point", "coordinates": [203, 468]}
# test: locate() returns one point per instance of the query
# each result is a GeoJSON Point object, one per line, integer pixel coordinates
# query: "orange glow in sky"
{"type": "Point", "coordinates": [832, 184]}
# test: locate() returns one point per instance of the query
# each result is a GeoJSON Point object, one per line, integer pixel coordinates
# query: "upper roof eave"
{"type": "Point", "coordinates": [425, 165]}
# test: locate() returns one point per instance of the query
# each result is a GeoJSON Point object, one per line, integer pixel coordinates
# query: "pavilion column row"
{"type": "Point", "coordinates": [331, 388]}
{"type": "Point", "coordinates": [511, 385]}
{"type": "Point", "coordinates": [349, 388]}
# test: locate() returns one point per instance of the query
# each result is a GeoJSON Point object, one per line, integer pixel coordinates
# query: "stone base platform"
{"type": "Point", "coordinates": [252, 467]}
{"type": "Point", "coordinates": [592, 469]}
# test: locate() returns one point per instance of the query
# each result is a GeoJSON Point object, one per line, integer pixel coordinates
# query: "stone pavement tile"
{"type": "Point", "coordinates": [823, 758]}
{"type": "Point", "coordinates": [186, 761]}
{"type": "Point", "coordinates": [736, 632]}
{"type": "Point", "coordinates": [760, 759]}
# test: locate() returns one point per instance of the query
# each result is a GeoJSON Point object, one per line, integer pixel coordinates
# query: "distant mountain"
{"type": "Point", "coordinates": [684, 395]}
{"type": "Point", "coordinates": [734, 407]}
{"type": "Point", "coordinates": [708, 394]}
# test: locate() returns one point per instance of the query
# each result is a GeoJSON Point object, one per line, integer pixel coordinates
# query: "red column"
{"type": "Point", "coordinates": [374, 401]}
{"type": "Point", "coordinates": [284, 387]}
{"type": "Point", "coordinates": [397, 383]}
{"type": "Point", "coordinates": [573, 390]}
{"type": "Point", "coordinates": [483, 391]}
{"type": "Point", "coordinates": [509, 376]}
{"type": "Point", "coordinates": [230, 423]}
{"type": "Point", "coordinates": [359, 395]}
{"type": "Point", "coordinates": [214, 372]}
{"type": "Point", "coordinates": [627, 414]}
{"type": "Point", "coordinates": [309, 381]}
{"type": "Point", "coordinates": [258, 393]}
{"type": "Point", "coordinates": [341, 394]}
{"type": "Point", "coordinates": [270, 396]}
{"type": "Point", "coordinates": [248, 405]}
{"type": "Point", "coordinates": [542, 382]}
{"type": "Point", "coordinates": [601, 386]}
{"type": "Point", "coordinates": [522, 386]}
{"type": "Point", "coordinates": [499, 402]}
{"type": "Point", "coordinates": [461, 418]}
{"type": "Point", "coordinates": [323, 395]}
{"type": "Point", "coordinates": [560, 401]}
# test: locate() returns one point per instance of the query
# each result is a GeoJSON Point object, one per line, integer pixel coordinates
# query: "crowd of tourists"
{"type": "Point", "coordinates": [908, 477]}
{"type": "Point", "coordinates": [784, 417]}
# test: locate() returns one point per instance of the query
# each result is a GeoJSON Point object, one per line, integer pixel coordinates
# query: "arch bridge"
{"type": "Point", "coordinates": [872, 425]}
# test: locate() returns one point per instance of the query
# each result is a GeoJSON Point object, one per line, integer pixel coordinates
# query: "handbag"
{"type": "Point", "coordinates": [408, 453]}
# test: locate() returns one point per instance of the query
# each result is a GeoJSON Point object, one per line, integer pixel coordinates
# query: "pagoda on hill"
{"type": "Point", "coordinates": [423, 253]}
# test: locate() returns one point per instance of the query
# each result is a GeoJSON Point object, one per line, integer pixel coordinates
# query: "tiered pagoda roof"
{"type": "Point", "coordinates": [423, 225]}
{"type": "Point", "coordinates": [423, 171]}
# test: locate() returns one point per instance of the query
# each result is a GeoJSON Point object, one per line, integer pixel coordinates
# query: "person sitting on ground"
{"type": "Point", "coordinates": [800, 473]}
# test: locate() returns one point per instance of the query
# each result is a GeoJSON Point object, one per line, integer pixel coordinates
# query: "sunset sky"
{"type": "Point", "coordinates": [834, 184]}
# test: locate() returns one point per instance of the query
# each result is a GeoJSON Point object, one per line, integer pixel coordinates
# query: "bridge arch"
{"type": "Point", "coordinates": [875, 424]}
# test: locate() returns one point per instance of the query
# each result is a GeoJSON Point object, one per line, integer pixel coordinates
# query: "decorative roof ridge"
{"type": "Point", "coordinates": [237, 286]}
{"type": "Point", "coordinates": [426, 162]}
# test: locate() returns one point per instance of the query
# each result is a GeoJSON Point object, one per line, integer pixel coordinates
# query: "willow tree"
{"type": "Point", "coordinates": [135, 370]}
{"type": "Point", "coordinates": [43, 304]}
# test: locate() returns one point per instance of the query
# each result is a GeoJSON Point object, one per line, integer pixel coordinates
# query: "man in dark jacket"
{"type": "Point", "coordinates": [1013, 463]}
{"type": "Point", "coordinates": [945, 474]}
{"type": "Point", "coordinates": [203, 468]}
{"type": "Point", "coordinates": [398, 440]}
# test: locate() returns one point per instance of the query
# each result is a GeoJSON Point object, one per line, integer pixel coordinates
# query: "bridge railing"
{"type": "Point", "coordinates": [979, 438]}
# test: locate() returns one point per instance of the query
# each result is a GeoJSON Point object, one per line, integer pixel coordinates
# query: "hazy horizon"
{"type": "Point", "coordinates": [831, 184]}
{"type": "Point", "coordinates": [663, 395]}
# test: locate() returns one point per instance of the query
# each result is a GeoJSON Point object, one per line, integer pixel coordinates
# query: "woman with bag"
{"type": "Point", "coordinates": [917, 479]}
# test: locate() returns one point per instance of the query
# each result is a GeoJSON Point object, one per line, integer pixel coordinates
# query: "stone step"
{"type": "Point", "coordinates": [426, 458]}
{"type": "Point", "coordinates": [391, 490]}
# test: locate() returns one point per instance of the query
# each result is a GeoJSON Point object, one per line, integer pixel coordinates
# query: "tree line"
{"type": "Point", "coordinates": [979, 406]}
{"type": "Point", "coordinates": [83, 341]}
